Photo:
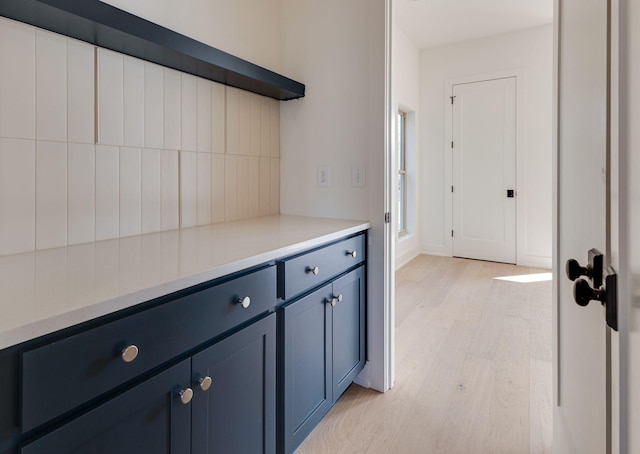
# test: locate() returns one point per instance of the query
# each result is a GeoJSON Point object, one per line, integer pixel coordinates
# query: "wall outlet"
{"type": "Point", "coordinates": [357, 177]}
{"type": "Point", "coordinates": [323, 176]}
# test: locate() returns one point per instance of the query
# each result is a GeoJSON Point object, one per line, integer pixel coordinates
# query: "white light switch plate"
{"type": "Point", "coordinates": [323, 177]}
{"type": "Point", "coordinates": [357, 177]}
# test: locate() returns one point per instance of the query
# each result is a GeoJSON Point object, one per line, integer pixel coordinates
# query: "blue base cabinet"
{"type": "Point", "coordinates": [323, 351]}
{"type": "Point", "coordinates": [237, 413]}
{"type": "Point", "coordinates": [149, 417]}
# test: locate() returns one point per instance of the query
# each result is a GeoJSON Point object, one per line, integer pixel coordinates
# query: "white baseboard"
{"type": "Point", "coordinates": [438, 250]}
{"type": "Point", "coordinates": [535, 261]}
{"type": "Point", "coordinates": [403, 259]}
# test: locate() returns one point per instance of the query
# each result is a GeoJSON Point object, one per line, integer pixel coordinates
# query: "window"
{"type": "Point", "coordinates": [402, 172]}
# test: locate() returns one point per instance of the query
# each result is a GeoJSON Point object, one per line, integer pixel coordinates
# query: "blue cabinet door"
{"type": "Point", "coordinates": [148, 418]}
{"type": "Point", "coordinates": [348, 320]}
{"type": "Point", "coordinates": [234, 384]}
{"type": "Point", "coordinates": [306, 376]}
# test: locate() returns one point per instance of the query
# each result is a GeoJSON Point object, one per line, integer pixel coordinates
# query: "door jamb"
{"type": "Point", "coordinates": [519, 74]}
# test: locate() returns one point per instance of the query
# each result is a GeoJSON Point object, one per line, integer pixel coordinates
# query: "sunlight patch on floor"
{"type": "Point", "coordinates": [527, 278]}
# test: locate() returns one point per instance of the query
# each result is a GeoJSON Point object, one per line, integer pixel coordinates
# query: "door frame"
{"type": "Point", "coordinates": [520, 77]}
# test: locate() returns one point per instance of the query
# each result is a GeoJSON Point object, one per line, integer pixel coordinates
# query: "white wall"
{"type": "Point", "coordinates": [337, 49]}
{"type": "Point", "coordinates": [406, 97]}
{"type": "Point", "coordinates": [248, 29]}
{"type": "Point", "coordinates": [529, 52]}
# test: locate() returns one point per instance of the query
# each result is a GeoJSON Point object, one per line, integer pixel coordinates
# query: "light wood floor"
{"type": "Point", "coordinates": [473, 368]}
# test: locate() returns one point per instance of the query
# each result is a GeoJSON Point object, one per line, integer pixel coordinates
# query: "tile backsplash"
{"type": "Point", "coordinates": [97, 145]}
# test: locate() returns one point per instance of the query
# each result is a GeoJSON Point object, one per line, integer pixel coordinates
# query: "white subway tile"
{"type": "Point", "coordinates": [274, 187]}
{"type": "Point", "coordinates": [204, 115]}
{"type": "Point", "coordinates": [51, 194]}
{"type": "Point", "coordinates": [244, 122]}
{"type": "Point", "coordinates": [253, 180]}
{"type": "Point", "coordinates": [51, 86]}
{"type": "Point", "coordinates": [217, 118]}
{"type": "Point", "coordinates": [134, 102]}
{"type": "Point", "coordinates": [274, 147]}
{"type": "Point", "coordinates": [188, 189]}
{"type": "Point", "coordinates": [230, 194]}
{"type": "Point", "coordinates": [153, 106]}
{"type": "Point", "coordinates": [110, 97]}
{"type": "Point", "coordinates": [17, 196]}
{"type": "Point", "coordinates": [265, 186]}
{"type": "Point", "coordinates": [81, 193]}
{"type": "Point", "coordinates": [170, 190]}
{"type": "Point", "coordinates": [217, 187]}
{"type": "Point", "coordinates": [265, 127]}
{"type": "Point", "coordinates": [80, 92]}
{"type": "Point", "coordinates": [189, 113]}
{"type": "Point", "coordinates": [204, 188]}
{"type": "Point", "coordinates": [242, 187]}
{"type": "Point", "coordinates": [172, 109]}
{"type": "Point", "coordinates": [130, 191]}
{"type": "Point", "coordinates": [17, 80]}
{"type": "Point", "coordinates": [107, 192]}
{"type": "Point", "coordinates": [151, 190]}
{"type": "Point", "coordinates": [233, 120]}
{"type": "Point", "coordinates": [255, 124]}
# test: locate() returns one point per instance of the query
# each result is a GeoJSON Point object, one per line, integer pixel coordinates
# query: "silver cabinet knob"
{"type": "Point", "coordinates": [129, 353]}
{"type": "Point", "coordinates": [339, 298]}
{"type": "Point", "coordinates": [314, 270]}
{"type": "Point", "coordinates": [185, 395]}
{"type": "Point", "coordinates": [331, 301]}
{"type": "Point", "coordinates": [205, 383]}
{"type": "Point", "coordinates": [353, 253]}
{"type": "Point", "coordinates": [244, 302]}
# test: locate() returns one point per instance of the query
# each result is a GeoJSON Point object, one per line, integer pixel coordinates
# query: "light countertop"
{"type": "Point", "coordinates": [45, 291]}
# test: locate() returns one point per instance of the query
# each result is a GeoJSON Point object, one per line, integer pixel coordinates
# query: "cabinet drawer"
{"type": "Point", "coordinates": [305, 271]}
{"type": "Point", "coordinates": [63, 375]}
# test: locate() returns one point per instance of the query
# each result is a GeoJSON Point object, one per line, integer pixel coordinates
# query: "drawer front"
{"type": "Point", "coordinates": [298, 272]}
{"type": "Point", "coordinates": [63, 375]}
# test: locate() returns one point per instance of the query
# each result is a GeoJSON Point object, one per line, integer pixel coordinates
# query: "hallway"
{"type": "Point", "coordinates": [473, 368]}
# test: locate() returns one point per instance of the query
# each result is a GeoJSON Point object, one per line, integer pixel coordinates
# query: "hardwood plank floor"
{"type": "Point", "coordinates": [473, 368]}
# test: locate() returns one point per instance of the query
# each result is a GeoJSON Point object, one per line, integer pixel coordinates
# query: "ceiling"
{"type": "Point", "coordinates": [433, 23]}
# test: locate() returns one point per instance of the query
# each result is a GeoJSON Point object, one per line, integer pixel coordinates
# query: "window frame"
{"type": "Point", "coordinates": [401, 122]}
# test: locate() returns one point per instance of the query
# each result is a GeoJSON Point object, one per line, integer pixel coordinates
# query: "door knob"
{"type": "Point", "coordinates": [592, 270]}
{"type": "Point", "coordinates": [584, 294]}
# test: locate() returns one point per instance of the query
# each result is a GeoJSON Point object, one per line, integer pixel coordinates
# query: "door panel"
{"type": "Point", "coordinates": [147, 418]}
{"type": "Point", "coordinates": [237, 413]}
{"type": "Point", "coordinates": [580, 419]}
{"type": "Point", "coordinates": [484, 169]}
{"type": "Point", "coordinates": [348, 331]}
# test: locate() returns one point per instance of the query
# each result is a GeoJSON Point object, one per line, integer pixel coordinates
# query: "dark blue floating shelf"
{"type": "Point", "coordinates": [109, 27]}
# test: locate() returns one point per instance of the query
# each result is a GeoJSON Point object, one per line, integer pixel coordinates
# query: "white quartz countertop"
{"type": "Point", "coordinates": [45, 291]}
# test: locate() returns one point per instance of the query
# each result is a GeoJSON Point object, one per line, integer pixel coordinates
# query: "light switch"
{"type": "Point", "coordinates": [357, 177]}
{"type": "Point", "coordinates": [323, 177]}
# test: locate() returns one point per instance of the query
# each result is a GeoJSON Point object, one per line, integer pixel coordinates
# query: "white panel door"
{"type": "Point", "coordinates": [484, 170]}
{"type": "Point", "coordinates": [582, 165]}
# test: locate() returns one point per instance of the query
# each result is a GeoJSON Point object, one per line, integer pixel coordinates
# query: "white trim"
{"type": "Point", "coordinates": [519, 74]}
{"type": "Point", "coordinates": [535, 261]}
{"type": "Point", "coordinates": [433, 249]}
{"type": "Point", "coordinates": [405, 258]}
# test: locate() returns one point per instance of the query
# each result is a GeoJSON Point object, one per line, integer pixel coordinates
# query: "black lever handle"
{"type": "Point", "coordinates": [584, 294]}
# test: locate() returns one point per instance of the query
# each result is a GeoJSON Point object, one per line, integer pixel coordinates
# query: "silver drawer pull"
{"type": "Point", "coordinates": [353, 253]}
{"type": "Point", "coordinates": [331, 301]}
{"type": "Point", "coordinates": [185, 395]}
{"type": "Point", "coordinates": [205, 383]}
{"type": "Point", "coordinates": [339, 297]}
{"type": "Point", "coordinates": [314, 270]}
{"type": "Point", "coordinates": [244, 302]}
{"type": "Point", "coordinates": [129, 353]}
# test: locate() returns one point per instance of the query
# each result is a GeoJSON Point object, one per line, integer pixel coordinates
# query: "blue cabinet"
{"type": "Point", "coordinates": [323, 350]}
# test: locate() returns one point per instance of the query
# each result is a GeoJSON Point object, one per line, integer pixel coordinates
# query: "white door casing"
{"type": "Point", "coordinates": [484, 169]}
{"type": "Point", "coordinates": [581, 218]}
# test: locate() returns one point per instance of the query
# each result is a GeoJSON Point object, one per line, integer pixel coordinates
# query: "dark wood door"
{"type": "Point", "coordinates": [236, 414]}
{"type": "Point", "coordinates": [150, 417]}
{"type": "Point", "coordinates": [348, 330]}
{"type": "Point", "coordinates": [306, 379]}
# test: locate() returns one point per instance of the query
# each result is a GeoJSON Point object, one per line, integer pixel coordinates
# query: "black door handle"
{"type": "Point", "coordinates": [592, 270]}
